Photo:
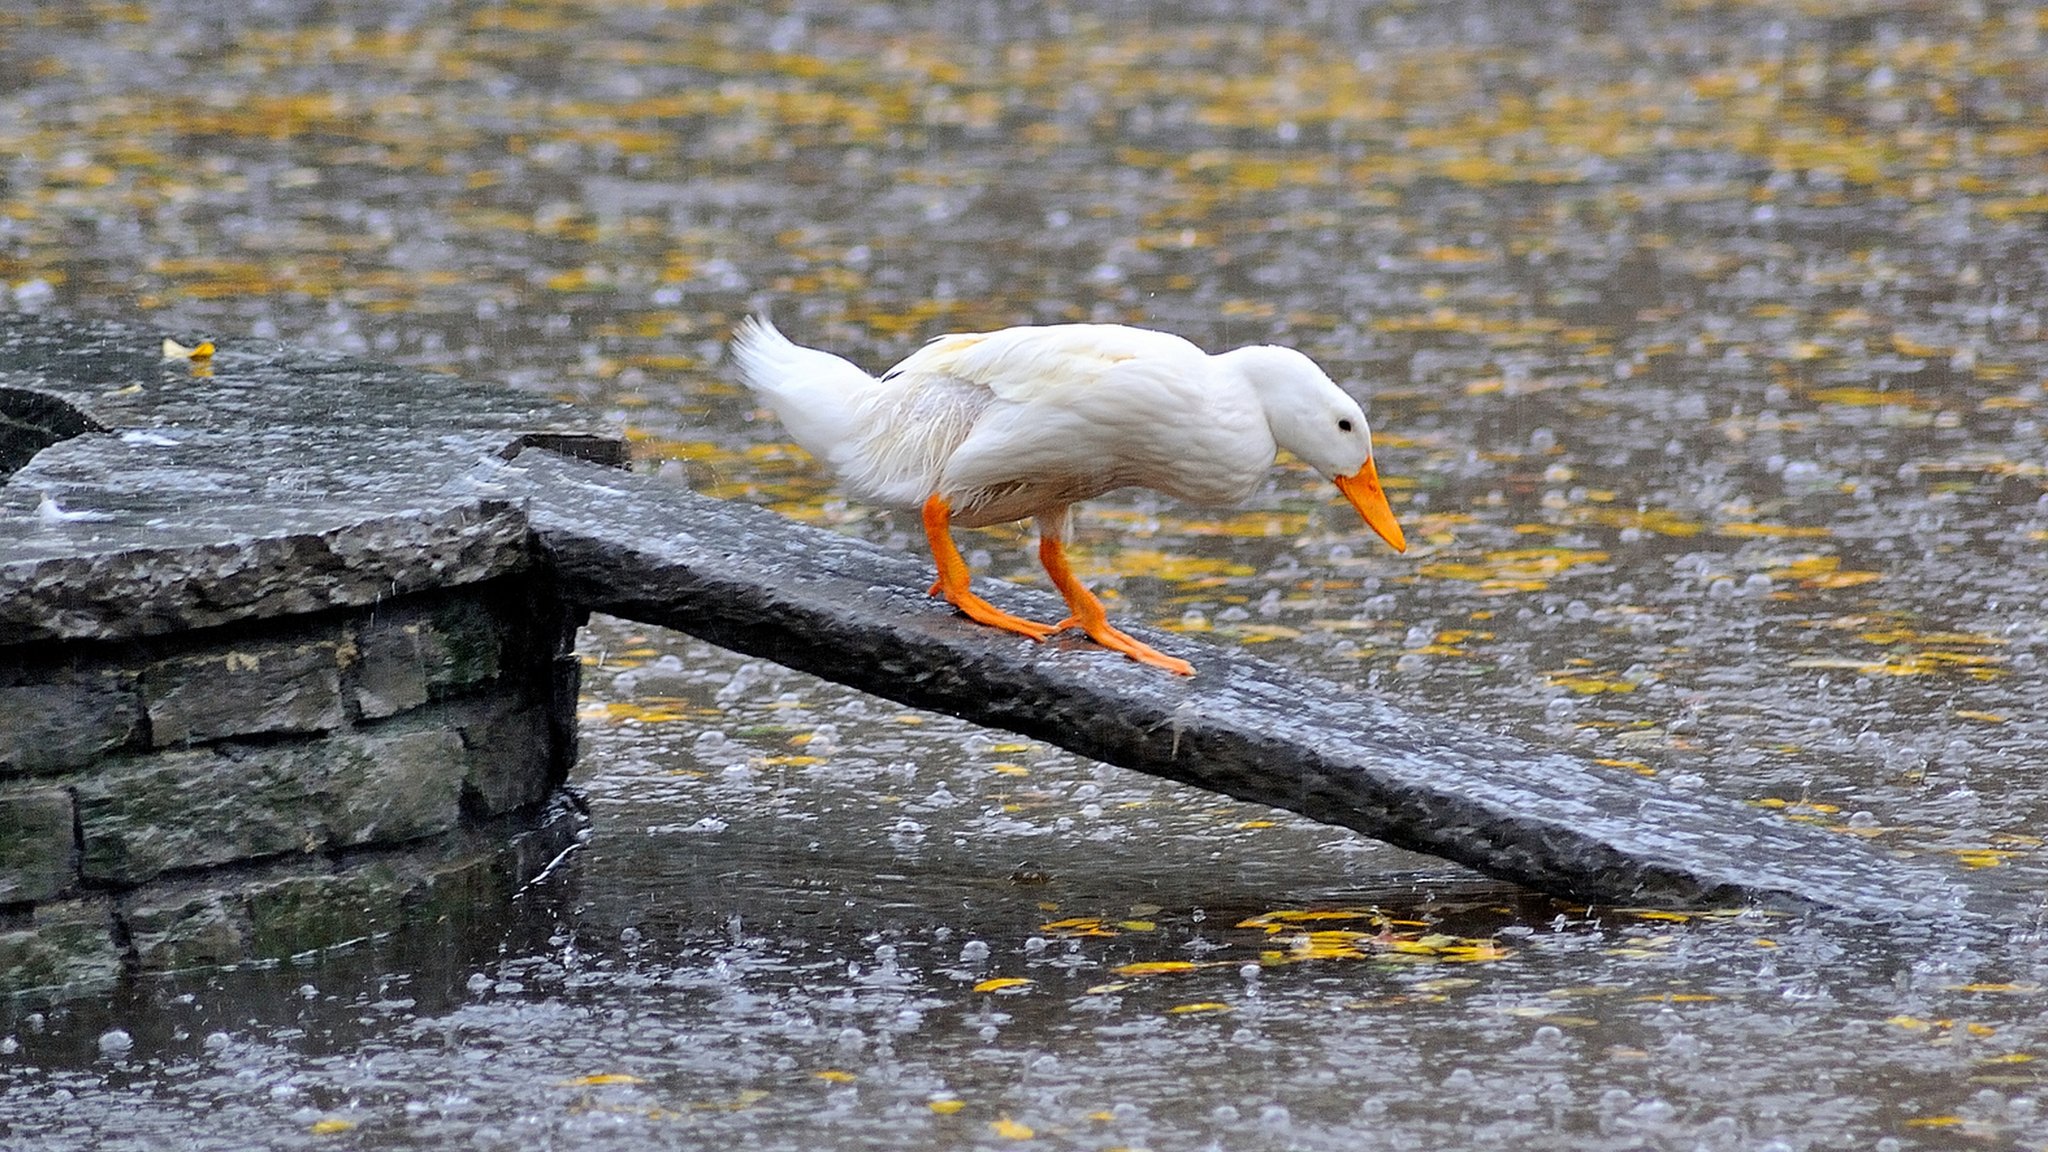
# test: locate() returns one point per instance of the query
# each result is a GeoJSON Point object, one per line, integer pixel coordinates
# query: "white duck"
{"type": "Point", "coordinates": [984, 427]}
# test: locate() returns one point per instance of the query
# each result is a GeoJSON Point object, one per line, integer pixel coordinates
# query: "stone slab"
{"type": "Point", "coordinates": [161, 495]}
{"type": "Point", "coordinates": [846, 610]}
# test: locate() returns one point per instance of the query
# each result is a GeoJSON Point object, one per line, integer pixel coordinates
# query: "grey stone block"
{"type": "Point", "coordinates": [68, 944]}
{"type": "Point", "coordinates": [231, 802]}
{"type": "Point", "coordinates": [511, 755]}
{"type": "Point", "coordinates": [386, 787]}
{"type": "Point", "coordinates": [199, 807]}
{"type": "Point", "coordinates": [245, 690]}
{"type": "Point", "coordinates": [187, 926]}
{"type": "Point", "coordinates": [408, 656]}
{"type": "Point", "coordinates": [63, 718]}
{"type": "Point", "coordinates": [305, 913]}
{"type": "Point", "coordinates": [37, 844]}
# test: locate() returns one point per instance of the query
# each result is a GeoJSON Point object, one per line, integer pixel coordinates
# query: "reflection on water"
{"type": "Point", "coordinates": [1704, 348]}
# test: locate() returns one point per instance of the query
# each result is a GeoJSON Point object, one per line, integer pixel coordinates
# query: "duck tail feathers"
{"type": "Point", "coordinates": [816, 395]}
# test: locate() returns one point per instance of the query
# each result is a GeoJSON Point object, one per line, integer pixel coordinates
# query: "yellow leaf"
{"type": "Point", "coordinates": [602, 1078]}
{"type": "Point", "coordinates": [1137, 925]}
{"type": "Point", "coordinates": [330, 1125]}
{"type": "Point", "coordinates": [1934, 1121]}
{"type": "Point", "coordinates": [946, 1107]}
{"type": "Point", "coordinates": [1258, 824]}
{"type": "Point", "coordinates": [998, 983]}
{"type": "Point", "coordinates": [1993, 987]}
{"type": "Point", "coordinates": [1154, 967]}
{"type": "Point", "coordinates": [1592, 685]}
{"type": "Point", "coordinates": [1771, 530]}
{"type": "Point", "coordinates": [836, 1076]}
{"type": "Point", "coordinates": [1010, 769]}
{"type": "Point", "coordinates": [1909, 1023]}
{"type": "Point", "coordinates": [1009, 1129]}
{"type": "Point", "coordinates": [1199, 1006]}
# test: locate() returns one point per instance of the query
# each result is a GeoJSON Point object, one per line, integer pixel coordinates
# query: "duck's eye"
{"type": "Point", "coordinates": [1343, 425]}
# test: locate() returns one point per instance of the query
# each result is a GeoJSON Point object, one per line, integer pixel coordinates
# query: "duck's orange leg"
{"type": "Point", "coordinates": [1088, 611]}
{"type": "Point", "coordinates": [954, 576]}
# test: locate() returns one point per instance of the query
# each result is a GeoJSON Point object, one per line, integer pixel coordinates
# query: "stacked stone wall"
{"type": "Point", "coordinates": [267, 788]}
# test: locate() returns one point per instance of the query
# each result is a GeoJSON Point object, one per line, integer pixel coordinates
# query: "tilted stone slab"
{"type": "Point", "coordinates": [846, 610]}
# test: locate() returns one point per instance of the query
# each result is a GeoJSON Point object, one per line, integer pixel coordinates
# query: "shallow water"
{"type": "Point", "coordinates": [1703, 348]}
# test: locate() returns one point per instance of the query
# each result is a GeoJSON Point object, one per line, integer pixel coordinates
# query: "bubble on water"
{"type": "Point", "coordinates": [988, 1032]}
{"type": "Point", "coordinates": [1460, 1080]}
{"type": "Point", "coordinates": [216, 1041]}
{"type": "Point", "coordinates": [1559, 709]}
{"type": "Point", "coordinates": [479, 984]}
{"type": "Point", "coordinates": [1224, 1114]}
{"type": "Point", "coordinates": [1034, 945]}
{"type": "Point", "coordinates": [973, 952]}
{"type": "Point", "coordinates": [116, 1042]}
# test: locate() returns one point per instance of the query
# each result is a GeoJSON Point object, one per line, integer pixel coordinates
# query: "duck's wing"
{"type": "Point", "coordinates": [1049, 363]}
{"type": "Point", "coordinates": [1080, 409]}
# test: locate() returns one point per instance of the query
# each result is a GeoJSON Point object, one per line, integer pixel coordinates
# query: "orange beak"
{"type": "Point", "coordinates": [1364, 491]}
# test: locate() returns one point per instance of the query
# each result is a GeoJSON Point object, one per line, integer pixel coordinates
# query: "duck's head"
{"type": "Point", "coordinates": [1317, 421]}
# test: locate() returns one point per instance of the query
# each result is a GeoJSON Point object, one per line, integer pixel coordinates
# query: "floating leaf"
{"type": "Point", "coordinates": [1199, 1006]}
{"type": "Point", "coordinates": [330, 1125]}
{"type": "Point", "coordinates": [602, 1078]}
{"type": "Point", "coordinates": [1000, 983]}
{"type": "Point", "coordinates": [1155, 967]}
{"type": "Point", "coordinates": [1009, 1129]}
{"type": "Point", "coordinates": [945, 1107]}
{"type": "Point", "coordinates": [836, 1076]}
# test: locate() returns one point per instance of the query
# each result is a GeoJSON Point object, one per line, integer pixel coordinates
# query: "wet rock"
{"type": "Point", "coordinates": [53, 719]}
{"type": "Point", "coordinates": [510, 758]}
{"type": "Point", "coordinates": [304, 913]}
{"type": "Point", "coordinates": [245, 690]}
{"type": "Point", "coordinates": [407, 657]}
{"type": "Point", "coordinates": [68, 943]}
{"type": "Point", "coordinates": [192, 809]}
{"type": "Point", "coordinates": [847, 610]}
{"type": "Point", "coordinates": [271, 482]}
{"type": "Point", "coordinates": [36, 844]}
{"type": "Point", "coordinates": [186, 928]}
